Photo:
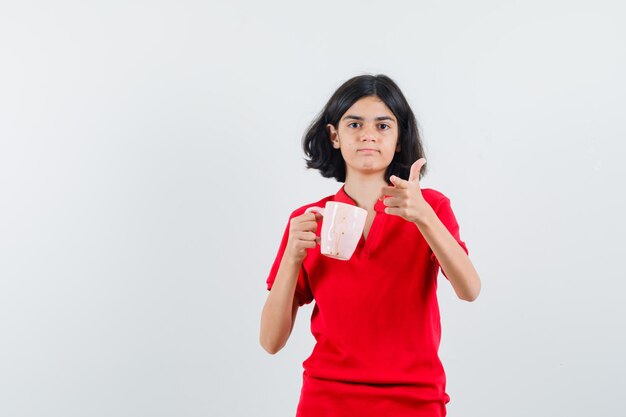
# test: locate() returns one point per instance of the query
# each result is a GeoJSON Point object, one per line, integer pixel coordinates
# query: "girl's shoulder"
{"type": "Point", "coordinates": [433, 197]}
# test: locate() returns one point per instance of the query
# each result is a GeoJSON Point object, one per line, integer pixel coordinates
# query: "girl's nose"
{"type": "Point", "coordinates": [368, 134]}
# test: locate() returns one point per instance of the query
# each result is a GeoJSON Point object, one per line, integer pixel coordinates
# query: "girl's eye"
{"type": "Point", "coordinates": [384, 126]}
{"type": "Point", "coordinates": [353, 124]}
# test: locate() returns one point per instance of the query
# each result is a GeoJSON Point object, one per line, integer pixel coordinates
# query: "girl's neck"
{"type": "Point", "coordinates": [364, 189]}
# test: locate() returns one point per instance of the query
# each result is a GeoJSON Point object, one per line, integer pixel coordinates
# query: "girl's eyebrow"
{"type": "Point", "coordinates": [353, 117]}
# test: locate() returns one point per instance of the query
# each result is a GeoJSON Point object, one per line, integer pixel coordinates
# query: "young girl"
{"type": "Point", "coordinates": [376, 317]}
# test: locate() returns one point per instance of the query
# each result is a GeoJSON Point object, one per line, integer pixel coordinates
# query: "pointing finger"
{"type": "Point", "coordinates": [399, 182]}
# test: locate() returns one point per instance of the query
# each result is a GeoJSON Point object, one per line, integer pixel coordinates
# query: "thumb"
{"type": "Point", "coordinates": [415, 170]}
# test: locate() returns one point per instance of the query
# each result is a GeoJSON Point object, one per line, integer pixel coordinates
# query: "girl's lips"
{"type": "Point", "coordinates": [367, 150]}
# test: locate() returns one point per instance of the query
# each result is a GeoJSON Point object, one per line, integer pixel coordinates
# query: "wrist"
{"type": "Point", "coordinates": [291, 260]}
{"type": "Point", "coordinates": [426, 217]}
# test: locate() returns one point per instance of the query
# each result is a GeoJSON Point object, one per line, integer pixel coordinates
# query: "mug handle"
{"type": "Point", "coordinates": [315, 209]}
{"type": "Point", "coordinates": [319, 210]}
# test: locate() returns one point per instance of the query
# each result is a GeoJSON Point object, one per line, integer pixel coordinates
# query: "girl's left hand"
{"type": "Point", "coordinates": [405, 197]}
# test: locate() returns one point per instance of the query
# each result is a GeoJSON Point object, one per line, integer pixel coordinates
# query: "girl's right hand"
{"type": "Point", "coordinates": [301, 236]}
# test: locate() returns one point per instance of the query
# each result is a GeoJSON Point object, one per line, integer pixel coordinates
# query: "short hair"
{"type": "Point", "coordinates": [316, 140]}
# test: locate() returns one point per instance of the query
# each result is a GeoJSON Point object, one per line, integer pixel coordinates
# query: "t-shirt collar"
{"type": "Point", "coordinates": [343, 197]}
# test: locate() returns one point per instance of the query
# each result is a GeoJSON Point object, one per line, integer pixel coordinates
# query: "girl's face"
{"type": "Point", "coordinates": [367, 135]}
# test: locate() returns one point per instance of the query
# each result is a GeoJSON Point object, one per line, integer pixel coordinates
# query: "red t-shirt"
{"type": "Point", "coordinates": [376, 317]}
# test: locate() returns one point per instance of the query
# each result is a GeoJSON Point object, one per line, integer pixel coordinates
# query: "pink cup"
{"type": "Point", "coordinates": [342, 228]}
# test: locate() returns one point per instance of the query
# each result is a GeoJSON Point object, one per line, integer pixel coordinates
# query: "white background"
{"type": "Point", "coordinates": [150, 155]}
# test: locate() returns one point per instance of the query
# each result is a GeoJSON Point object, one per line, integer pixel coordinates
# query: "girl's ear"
{"type": "Point", "coordinates": [334, 138]}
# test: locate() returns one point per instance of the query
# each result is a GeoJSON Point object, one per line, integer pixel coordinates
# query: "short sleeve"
{"type": "Point", "coordinates": [446, 215]}
{"type": "Point", "coordinates": [303, 291]}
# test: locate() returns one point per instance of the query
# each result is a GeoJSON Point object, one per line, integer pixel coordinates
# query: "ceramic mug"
{"type": "Point", "coordinates": [342, 228]}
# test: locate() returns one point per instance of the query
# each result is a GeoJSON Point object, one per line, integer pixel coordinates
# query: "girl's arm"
{"type": "Point", "coordinates": [406, 201]}
{"type": "Point", "coordinates": [451, 256]}
{"type": "Point", "coordinates": [281, 306]}
{"type": "Point", "coordinates": [280, 309]}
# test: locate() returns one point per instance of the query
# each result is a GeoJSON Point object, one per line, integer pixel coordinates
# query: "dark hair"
{"type": "Point", "coordinates": [316, 141]}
